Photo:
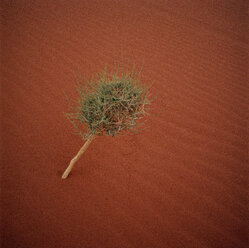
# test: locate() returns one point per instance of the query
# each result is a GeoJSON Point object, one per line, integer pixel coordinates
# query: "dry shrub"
{"type": "Point", "coordinates": [110, 103]}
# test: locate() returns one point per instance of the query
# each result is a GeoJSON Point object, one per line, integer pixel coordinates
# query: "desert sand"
{"type": "Point", "coordinates": [181, 183]}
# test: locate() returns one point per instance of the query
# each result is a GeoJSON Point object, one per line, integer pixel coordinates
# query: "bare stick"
{"type": "Point", "coordinates": [76, 158]}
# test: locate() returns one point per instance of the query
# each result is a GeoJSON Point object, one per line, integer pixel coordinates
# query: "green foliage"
{"type": "Point", "coordinates": [109, 104]}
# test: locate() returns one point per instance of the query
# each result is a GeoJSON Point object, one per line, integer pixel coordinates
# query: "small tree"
{"type": "Point", "coordinates": [109, 104]}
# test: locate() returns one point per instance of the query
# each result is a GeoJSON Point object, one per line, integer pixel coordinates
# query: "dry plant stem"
{"type": "Point", "coordinates": [76, 158]}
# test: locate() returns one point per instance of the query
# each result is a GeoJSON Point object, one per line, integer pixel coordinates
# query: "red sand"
{"type": "Point", "coordinates": [181, 183]}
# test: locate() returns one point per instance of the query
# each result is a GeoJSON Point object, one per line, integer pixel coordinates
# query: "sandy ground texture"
{"type": "Point", "coordinates": [179, 184]}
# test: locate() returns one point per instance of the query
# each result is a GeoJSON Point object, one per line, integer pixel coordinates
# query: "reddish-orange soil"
{"type": "Point", "coordinates": [182, 183]}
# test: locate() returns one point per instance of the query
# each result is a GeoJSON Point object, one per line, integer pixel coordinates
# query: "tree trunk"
{"type": "Point", "coordinates": [76, 158]}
